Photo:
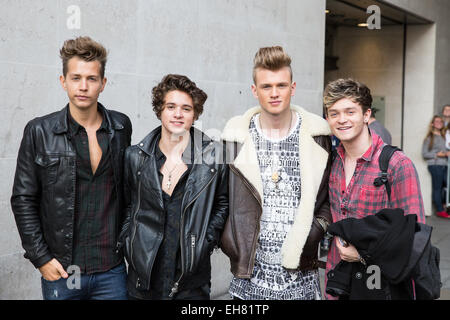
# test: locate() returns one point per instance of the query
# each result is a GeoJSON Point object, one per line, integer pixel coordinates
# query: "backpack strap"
{"type": "Point", "coordinates": [333, 154]}
{"type": "Point", "coordinates": [383, 163]}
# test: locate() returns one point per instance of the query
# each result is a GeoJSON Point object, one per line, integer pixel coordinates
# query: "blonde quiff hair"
{"type": "Point", "coordinates": [271, 58]}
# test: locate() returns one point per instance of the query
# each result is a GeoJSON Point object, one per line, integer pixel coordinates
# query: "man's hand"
{"type": "Point", "coordinates": [53, 270]}
{"type": "Point", "coordinates": [349, 254]}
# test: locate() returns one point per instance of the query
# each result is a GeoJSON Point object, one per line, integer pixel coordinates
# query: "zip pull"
{"type": "Point", "coordinates": [192, 252]}
{"type": "Point", "coordinates": [174, 290]}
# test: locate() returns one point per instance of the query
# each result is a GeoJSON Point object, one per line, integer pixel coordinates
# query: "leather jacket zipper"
{"type": "Point", "coordinates": [176, 284]}
{"type": "Point", "coordinates": [135, 213]}
{"type": "Point", "coordinates": [192, 251]}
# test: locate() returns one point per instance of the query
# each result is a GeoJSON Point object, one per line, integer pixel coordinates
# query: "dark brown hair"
{"type": "Point", "coordinates": [347, 88]}
{"type": "Point", "coordinates": [271, 58]}
{"type": "Point", "coordinates": [182, 83]}
{"type": "Point", "coordinates": [86, 49]}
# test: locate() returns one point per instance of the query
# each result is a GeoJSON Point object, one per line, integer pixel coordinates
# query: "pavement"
{"type": "Point", "coordinates": [440, 238]}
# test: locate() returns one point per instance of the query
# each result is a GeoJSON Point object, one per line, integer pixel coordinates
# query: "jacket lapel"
{"type": "Point", "coordinates": [201, 173]}
{"type": "Point", "coordinates": [313, 161]}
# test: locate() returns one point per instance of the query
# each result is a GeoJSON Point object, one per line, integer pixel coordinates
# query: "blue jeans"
{"type": "Point", "coordinates": [438, 181]}
{"type": "Point", "coordinates": [109, 285]}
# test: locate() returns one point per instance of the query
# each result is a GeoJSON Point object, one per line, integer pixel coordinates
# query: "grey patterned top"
{"type": "Point", "coordinates": [280, 172]}
{"type": "Point", "coordinates": [430, 154]}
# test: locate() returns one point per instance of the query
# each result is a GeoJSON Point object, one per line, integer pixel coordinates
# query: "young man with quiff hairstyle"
{"type": "Point", "coordinates": [68, 191]}
{"type": "Point", "coordinates": [278, 184]}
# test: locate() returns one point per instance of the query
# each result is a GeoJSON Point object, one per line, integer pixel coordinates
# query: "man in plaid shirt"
{"type": "Point", "coordinates": [351, 189]}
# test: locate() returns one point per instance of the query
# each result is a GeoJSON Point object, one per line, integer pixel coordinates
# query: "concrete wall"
{"type": "Point", "coordinates": [427, 75]}
{"type": "Point", "coordinates": [438, 12]}
{"type": "Point", "coordinates": [212, 42]}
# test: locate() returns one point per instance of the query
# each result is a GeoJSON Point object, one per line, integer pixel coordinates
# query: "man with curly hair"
{"type": "Point", "coordinates": [177, 195]}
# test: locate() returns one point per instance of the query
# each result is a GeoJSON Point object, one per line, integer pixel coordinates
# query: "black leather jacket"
{"type": "Point", "coordinates": [204, 209]}
{"type": "Point", "coordinates": [43, 198]}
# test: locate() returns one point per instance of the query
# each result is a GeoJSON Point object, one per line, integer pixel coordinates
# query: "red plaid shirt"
{"type": "Point", "coordinates": [361, 198]}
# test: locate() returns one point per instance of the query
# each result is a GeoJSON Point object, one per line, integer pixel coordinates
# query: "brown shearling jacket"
{"type": "Point", "coordinates": [240, 236]}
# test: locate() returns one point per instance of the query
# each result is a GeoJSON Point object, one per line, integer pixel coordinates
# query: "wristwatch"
{"type": "Point", "coordinates": [323, 223]}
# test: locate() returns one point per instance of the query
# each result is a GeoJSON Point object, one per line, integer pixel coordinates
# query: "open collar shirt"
{"type": "Point", "coordinates": [361, 198]}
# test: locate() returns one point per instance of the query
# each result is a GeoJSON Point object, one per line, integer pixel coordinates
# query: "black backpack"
{"type": "Point", "coordinates": [425, 258]}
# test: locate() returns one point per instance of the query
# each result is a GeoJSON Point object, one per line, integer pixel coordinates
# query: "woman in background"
{"type": "Point", "coordinates": [435, 153]}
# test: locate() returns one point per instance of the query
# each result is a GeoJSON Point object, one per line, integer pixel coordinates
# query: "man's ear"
{"type": "Point", "coordinates": [104, 80]}
{"type": "Point", "coordinates": [255, 94]}
{"type": "Point", "coordinates": [293, 87]}
{"type": "Point", "coordinates": [367, 115]}
{"type": "Point", "coordinates": [62, 80]}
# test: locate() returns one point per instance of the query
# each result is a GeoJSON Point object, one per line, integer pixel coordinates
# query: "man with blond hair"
{"type": "Point", "coordinates": [278, 184]}
{"type": "Point", "coordinates": [68, 192]}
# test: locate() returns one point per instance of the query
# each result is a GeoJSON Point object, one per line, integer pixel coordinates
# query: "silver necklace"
{"type": "Point", "coordinates": [169, 182]}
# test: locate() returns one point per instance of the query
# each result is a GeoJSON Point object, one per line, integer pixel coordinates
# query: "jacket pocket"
{"type": "Point", "coordinates": [49, 167]}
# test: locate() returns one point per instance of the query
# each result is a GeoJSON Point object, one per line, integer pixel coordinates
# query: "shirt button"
{"type": "Point", "coordinates": [212, 170]}
{"type": "Point", "coordinates": [138, 173]}
{"type": "Point", "coordinates": [141, 144]}
{"type": "Point", "coordinates": [140, 152]}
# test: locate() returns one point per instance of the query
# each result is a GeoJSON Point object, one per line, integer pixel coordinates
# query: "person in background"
{"type": "Point", "coordinates": [435, 153]}
{"type": "Point", "coordinates": [378, 128]}
{"type": "Point", "coordinates": [446, 114]}
{"type": "Point", "coordinates": [446, 117]}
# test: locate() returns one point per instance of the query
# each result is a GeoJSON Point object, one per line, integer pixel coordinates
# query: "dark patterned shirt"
{"type": "Point", "coordinates": [97, 213]}
{"type": "Point", "coordinates": [361, 198]}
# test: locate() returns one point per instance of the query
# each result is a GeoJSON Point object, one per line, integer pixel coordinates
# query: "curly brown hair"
{"type": "Point", "coordinates": [182, 83]}
{"type": "Point", "coordinates": [347, 88]}
{"type": "Point", "coordinates": [86, 49]}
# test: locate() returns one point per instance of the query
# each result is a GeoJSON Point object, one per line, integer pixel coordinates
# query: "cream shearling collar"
{"type": "Point", "coordinates": [313, 161]}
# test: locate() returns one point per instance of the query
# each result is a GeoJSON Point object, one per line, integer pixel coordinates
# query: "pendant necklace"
{"type": "Point", "coordinates": [275, 177]}
{"type": "Point", "coordinates": [169, 182]}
